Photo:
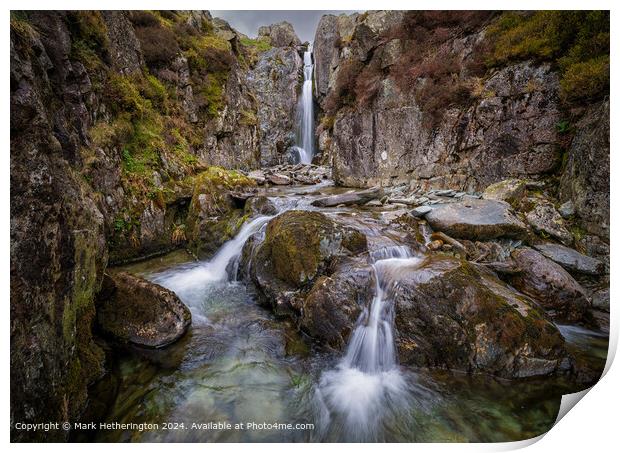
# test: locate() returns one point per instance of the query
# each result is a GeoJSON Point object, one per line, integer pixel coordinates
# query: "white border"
{"type": "Point", "coordinates": [592, 426]}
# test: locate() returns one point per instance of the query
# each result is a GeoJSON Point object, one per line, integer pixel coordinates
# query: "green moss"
{"type": "Point", "coordinates": [248, 118]}
{"type": "Point", "coordinates": [576, 41]}
{"type": "Point", "coordinates": [89, 42]}
{"type": "Point", "coordinates": [262, 44]}
{"type": "Point", "coordinates": [212, 94]}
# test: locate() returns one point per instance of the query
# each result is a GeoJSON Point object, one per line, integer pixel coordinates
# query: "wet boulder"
{"type": "Point", "coordinates": [135, 311]}
{"type": "Point", "coordinates": [477, 220]}
{"type": "Point", "coordinates": [546, 220]}
{"type": "Point", "coordinates": [350, 198]}
{"type": "Point", "coordinates": [550, 285]}
{"type": "Point", "coordinates": [260, 205]}
{"type": "Point", "coordinates": [452, 314]}
{"type": "Point", "coordinates": [299, 246]}
{"type": "Point", "coordinates": [571, 259]}
{"type": "Point", "coordinates": [331, 308]}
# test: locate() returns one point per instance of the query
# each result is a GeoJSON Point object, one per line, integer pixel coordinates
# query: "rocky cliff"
{"type": "Point", "coordinates": [449, 100]}
{"type": "Point", "coordinates": [117, 119]}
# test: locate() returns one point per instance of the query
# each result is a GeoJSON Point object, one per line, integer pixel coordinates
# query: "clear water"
{"type": "Point", "coordinates": [238, 364]}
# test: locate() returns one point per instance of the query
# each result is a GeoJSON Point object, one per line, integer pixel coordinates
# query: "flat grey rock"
{"type": "Point", "coordinates": [477, 220]}
{"type": "Point", "coordinates": [571, 259]}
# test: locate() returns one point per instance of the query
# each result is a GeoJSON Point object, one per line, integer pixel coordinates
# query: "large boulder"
{"type": "Point", "coordinates": [135, 311]}
{"type": "Point", "coordinates": [349, 198]}
{"type": "Point", "coordinates": [477, 220]}
{"type": "Point", "coordinates": [299, 246]}
{"type": "Point", "coordinates": [331, 308]}
{"type": "Point", "coordinates": [550, 285]}
{"type": "Point", "coordinates": [454, 315]}
{"type": "Point", "coordinates": [571, 259]}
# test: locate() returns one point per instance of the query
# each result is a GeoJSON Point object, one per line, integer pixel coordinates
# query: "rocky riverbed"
{"type": "Point", "coordinates": [275, 309]}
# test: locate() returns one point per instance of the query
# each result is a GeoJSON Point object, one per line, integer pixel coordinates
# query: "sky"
{"type": "Point", "coordinates": [247, 22]}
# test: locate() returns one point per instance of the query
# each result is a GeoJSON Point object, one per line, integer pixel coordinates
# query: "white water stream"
{"type": "Point", "coordinates": [367, 387]}
{"type": "Point", "coordinates": [306, 112]}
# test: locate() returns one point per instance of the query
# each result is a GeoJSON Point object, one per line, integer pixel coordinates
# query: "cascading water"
{"type": "Point", "coordinates": [189, 284]}
{"type": "Point", "coordinates": [305, 147]}
{"type": "Point", "coordinates": [366, 389]}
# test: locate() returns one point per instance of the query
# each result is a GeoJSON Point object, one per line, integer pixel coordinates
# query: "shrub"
{"type": "Point", "coordinates": [159, 45]}
{"type": "Point", "coordinates": [343, 92]}
{"type": "Point", "coordinates": [586, 80]}
{"type": "Point", "coordinates": [143, 19]}
{"type": "Point", "coordinates": [576, 41]}
{"type": "Point", "coordinates": [90, 37]}
{"type": "Point", "coordinates": [122, 95]}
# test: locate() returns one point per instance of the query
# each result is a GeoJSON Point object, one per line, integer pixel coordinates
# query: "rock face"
{"type": "Point", "coordinates": [508, 131]}
{"type": "Point", "coordinates": [275, 80]}
{"type": "Point", "coordinates": [136, 311]}
{"type": "Point", "coordinates": [58, 249]}
{"type": "Point", "coordinates": [281, 34]}
{"type": "Point", "coordinates": [550, 285]}
{"type": "Point", "coordinates": [571, 259]}
{"type": "Point", "coordinates": [450, 314]}
{"type": "Point", "coordinates": [103, 159]}
{"type": "Point", "coordinates": [585, 180]}
{"type": "Point", "coordinates": [477, 220]}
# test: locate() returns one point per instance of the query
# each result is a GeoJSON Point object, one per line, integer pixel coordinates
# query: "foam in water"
{"type": "Point", "coordinates": [305, 148]}
{"type": "Point", "coordinates": [367, 386]}
{"type": "Point", "coordinates": [192, 283]}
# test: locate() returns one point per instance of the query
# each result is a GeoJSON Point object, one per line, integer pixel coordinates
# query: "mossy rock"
{"type": "Point", "coordinates": [135, 311]}
{"type": "Point", "coordinates": [299, 246]}
{"type": "Point", "coordinates": [214, 216]}
{"type": "Point", "coordinates": [452, 314]}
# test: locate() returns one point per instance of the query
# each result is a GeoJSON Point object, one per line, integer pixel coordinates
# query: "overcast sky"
{"type": "Point", "coordinates": [247, 22]}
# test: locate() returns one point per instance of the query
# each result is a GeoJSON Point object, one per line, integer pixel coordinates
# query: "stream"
{"type": "Point", "coordinates": [238, 364]}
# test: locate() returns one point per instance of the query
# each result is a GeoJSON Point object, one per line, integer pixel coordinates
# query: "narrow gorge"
{"type": "Point", "coordinates": [397, 232]}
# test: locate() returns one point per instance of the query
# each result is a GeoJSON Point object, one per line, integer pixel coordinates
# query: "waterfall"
{"type": "Point", "coordinates": [190, 282]}
{"type": "Point", "coordinates": [367, 386]}
{"type": "Point", "coordinates": [305, 147]}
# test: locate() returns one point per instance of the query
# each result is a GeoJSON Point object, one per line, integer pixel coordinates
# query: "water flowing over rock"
{"type": "Point", "coordinates": [133, 310]}
{"type": "Point", "coordinates": [369, 366]}
{"type": "Point", "coordinates": [275, 81]}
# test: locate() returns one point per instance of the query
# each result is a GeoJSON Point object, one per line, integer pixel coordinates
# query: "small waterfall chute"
{"type": "Point", "coordinates": [356, 396]}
